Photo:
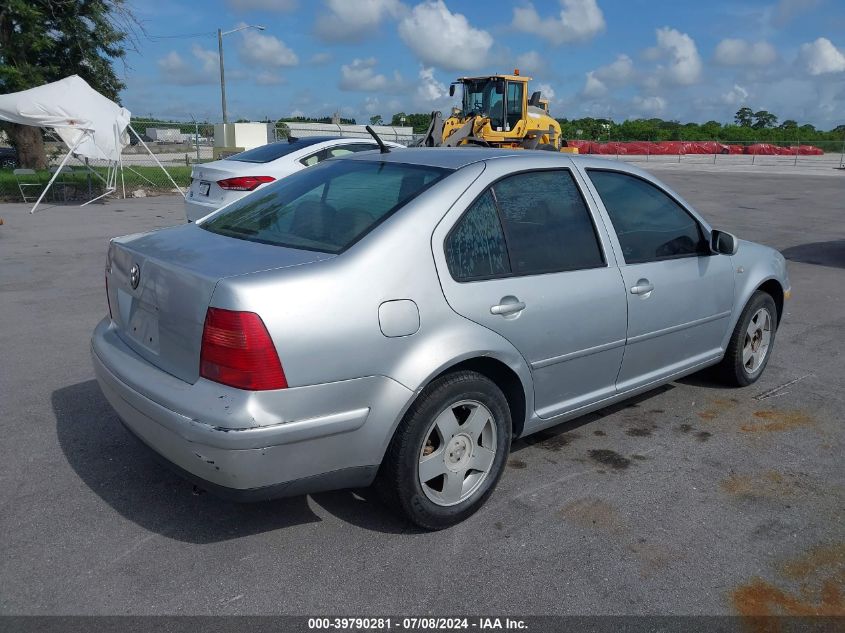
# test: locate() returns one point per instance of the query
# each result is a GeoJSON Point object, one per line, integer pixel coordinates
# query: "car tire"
{"type": "Point", "coordinates": [751, 343]}
{"type": "Point", "coordinates": [547, 147]}
{"type": "Point", "coordinates": [446, 437]}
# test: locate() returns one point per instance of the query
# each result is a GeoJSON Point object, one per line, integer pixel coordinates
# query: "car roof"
{"type": "Point", "coordinates": [457, 157]}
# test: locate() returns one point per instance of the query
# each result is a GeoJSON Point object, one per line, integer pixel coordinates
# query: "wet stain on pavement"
{"type": "Point", "coordinates": [772, 421]}
{"type": "Point", "coordinates": [770, 484]}
{"type": "Point", "coordinates": [610, 458]}
{"type": "Point", "coordinates": [816, 558]}
{"type": "Point", "coordinates": [703, 436]}
{"type": "Point", "coordinates": [638, 432]}
{"type": "Point", "coordinates": [599, 433]}
{"type": "Point", "coordinates": [517, 463]}
{"type": "Point", "coordinates": [820, 574]}
{"type": "Point", "coordinates": [590, 512]}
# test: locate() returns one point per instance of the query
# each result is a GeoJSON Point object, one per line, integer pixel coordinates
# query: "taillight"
{"type": "Point", "coordinates": [108, 298]}
{"type": "Point", "coordinates": [237, 351]}
{"type": "Point", "coordinates": [243, 183]}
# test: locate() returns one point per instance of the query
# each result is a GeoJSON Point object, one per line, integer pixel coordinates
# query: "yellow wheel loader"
{"type": "Point", "coordinates": [496, 112]}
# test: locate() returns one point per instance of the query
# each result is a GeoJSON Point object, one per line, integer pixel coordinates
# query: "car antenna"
{"type": "Point", "coordinates": [384, 149]}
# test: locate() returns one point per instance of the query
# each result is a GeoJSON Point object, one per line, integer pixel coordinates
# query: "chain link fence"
{"type": "Point", "coordinates": [175, 147]}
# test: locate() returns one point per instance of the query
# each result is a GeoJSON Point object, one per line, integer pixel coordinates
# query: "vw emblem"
{"type": "Point", "coordinates": [134, 276]}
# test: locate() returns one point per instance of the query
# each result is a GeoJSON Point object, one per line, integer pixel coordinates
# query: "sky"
{"type": "Point", "coordinates": [688, 60]}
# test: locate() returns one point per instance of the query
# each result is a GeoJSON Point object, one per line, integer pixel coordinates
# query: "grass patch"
{"type": "Point", "coordinates": [150, 178]}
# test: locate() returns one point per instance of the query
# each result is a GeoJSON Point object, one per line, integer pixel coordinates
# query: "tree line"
{"type": "Point", "coordinates": [748, 126]}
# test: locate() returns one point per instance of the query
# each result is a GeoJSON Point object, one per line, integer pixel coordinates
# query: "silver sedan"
{"type": "Point", "coordinates": [398, 318]}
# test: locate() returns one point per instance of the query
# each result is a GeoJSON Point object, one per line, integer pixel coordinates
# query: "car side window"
{"type": "Point", "coordinates": [314, 158]}
{"type": "Point", "coordinates": [649, 223]}
{"type": "Point", "coordinates": [343, 150]}
{"type": "Point", "coordinates": [547, 223]}
{"type": "Point", "coordinates": [475, 247]}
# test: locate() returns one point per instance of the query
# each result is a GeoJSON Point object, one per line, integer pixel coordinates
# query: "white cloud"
{"type": "Point", "coordinates": [279, 6]}
{"type": "Point", "coordinates": [594, 87]}
{"type": "Point", "coordinates": [429, 90]}
{"type": "Point", "coordinates": [684, 62]}
{"type": "Point", "coordinates": [361, 76]}
{"type": "Point", "coordinates": [351, 21]}
{"type": "Point", "coordinates": [735, 96]}
{"type": "Point", "coordinates": [546, 91]}
{"type": "Point", "coordinates": [204, 69]}
{"type": "Point", "coordinates": [650, 105]}
{"type": "Point", "coordinates": [822, 57]}
{"type": "Point", "coordinates": [530, 61]}
{"type": "Point", "coordinates": [444, 39]}
{"type": "Point", "coordinates": [265, 50]}
{"type": "Point", "coordinates": [739, 52]}
{"type": "Point", "coordinates": [579, 20]}
{"type": "Point", "coordinates": [619, 71]}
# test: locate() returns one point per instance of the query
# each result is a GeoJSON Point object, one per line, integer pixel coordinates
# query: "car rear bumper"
{"type": "Point", "coordinates": [337, 443]}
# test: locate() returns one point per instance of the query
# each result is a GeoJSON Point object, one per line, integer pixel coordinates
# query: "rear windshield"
{"type": "Point", "coordinates": [272, 151]}
{"type": "Point", "coordinates": [327, 207]}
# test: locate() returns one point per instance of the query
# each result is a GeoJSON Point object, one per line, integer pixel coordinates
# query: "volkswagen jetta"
{"type": "Point", "coordinates": [400, 317]}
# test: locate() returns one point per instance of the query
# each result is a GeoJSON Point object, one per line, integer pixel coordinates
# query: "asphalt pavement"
{"type": "Point", "coordinates": [691, 499]}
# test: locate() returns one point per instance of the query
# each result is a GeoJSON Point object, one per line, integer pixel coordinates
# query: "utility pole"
{"type": "Point", "coordinates": [220, 34]}
{"type": "Point", "coordinates": [222, 74]}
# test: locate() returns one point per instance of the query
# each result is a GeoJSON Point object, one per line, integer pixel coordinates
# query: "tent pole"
{"type": "Point", "coordinates": [167, 173]}
{"type": "Point", "coordinates": [122, 181]}
{"type": "Point", "coordinates": [57, 172]}
{"type": "Point", "coordinates": [111, 183]}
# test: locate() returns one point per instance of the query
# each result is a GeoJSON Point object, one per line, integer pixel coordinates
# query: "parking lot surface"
{"type": "Point", "coordinates": [691, 499]}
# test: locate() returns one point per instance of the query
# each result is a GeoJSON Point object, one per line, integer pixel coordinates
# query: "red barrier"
{"type": "Point", "coordinates": [673, 148]}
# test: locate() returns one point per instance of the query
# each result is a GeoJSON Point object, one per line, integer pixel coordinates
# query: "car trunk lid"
{"type": "Point", "coordinates": [204, 187]}
{"type": "Point", "coordinates": [160, 285]}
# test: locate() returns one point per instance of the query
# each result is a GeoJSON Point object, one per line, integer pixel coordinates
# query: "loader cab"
{"type": "Point", "coordinates": [501, 98]}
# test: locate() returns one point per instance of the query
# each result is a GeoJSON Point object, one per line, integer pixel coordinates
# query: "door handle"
{"type": "Point", "coordinates": [508, 307]}
{"type": "Point", "coordinates": [643, 287]}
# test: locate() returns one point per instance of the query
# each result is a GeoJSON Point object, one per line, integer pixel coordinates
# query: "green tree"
{"type": "Point", "coordinates": [45, 40]}
{"type": "Point", "coordinates": [419, 122]}
{"type": "Point", "coordinates": [744, 116]}
{"type": "Point", "coordinates": [764, 119]}
{"type": "Point", "coordinates": [376, 120]}
{"type": "Point", "coordinates": [789, 124]}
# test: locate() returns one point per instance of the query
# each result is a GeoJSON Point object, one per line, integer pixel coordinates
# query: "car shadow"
{"type": "Point", "coordinates": [119, 469]}
{"type": "Point", "coordinates": [830, 253]}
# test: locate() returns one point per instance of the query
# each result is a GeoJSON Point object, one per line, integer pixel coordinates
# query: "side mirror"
{"type": "Point", "coordinates": [451, 90]}
{"type": "Point", "coordinates": [723, 242]}
{"type": "Point", "coordinates": [535, 99]}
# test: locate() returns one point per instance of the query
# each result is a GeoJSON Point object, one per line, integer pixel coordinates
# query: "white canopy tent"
{"type": "Point", "coordinates": [91, 125]}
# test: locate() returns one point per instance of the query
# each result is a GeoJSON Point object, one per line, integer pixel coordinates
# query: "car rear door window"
{"type": "Point", "coordinates": [649, 223]}
{"type": "Point", "coordinates": [525, 224]}
{"type": "Point", "coordinates": [547, 223]}
{"type": "Point", "coordinates": [475, 247]}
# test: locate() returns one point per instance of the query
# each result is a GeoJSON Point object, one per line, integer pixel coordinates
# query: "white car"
{"type": "Point", "coordinates": [216, 184]}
